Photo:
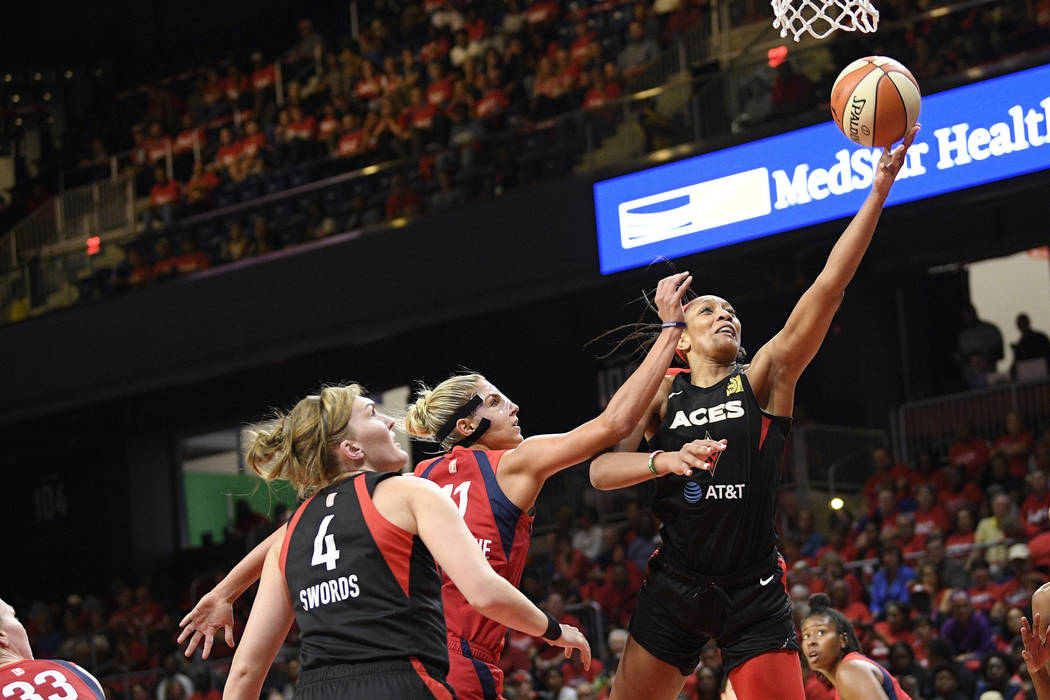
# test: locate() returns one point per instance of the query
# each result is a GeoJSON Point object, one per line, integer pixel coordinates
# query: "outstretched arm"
{"type": "Point", "coordinates": [539, 457]}
{"type": "Point", "coordinates": [268, 625]}
{"type": "Point", "coordinates": [779, 363]}
{"type": "Point", "coordinates": [214, 611]}
{"type": "Point", "coordinates": [443, 531]}
{"type": "Point", "coordinates": [617, 470]}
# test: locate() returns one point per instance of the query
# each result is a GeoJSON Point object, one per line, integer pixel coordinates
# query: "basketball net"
{"type": "Point", "coordinates": [821, 17]}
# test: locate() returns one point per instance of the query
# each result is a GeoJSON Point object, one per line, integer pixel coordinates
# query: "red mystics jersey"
{"type": "Point", "coordinates": [501, 528]}
{"type": "Point", "coordinates": [890, 686]}
{"type": "Point", "coordinates": [55, 680]}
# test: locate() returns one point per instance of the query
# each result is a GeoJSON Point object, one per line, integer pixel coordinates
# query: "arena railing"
{"type": "Point", "coordinates": [930, 424]}
{"type": "Point", "coordinates": [685, 116]}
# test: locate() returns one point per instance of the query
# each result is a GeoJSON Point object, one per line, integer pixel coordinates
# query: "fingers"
{"type": "Point", "coordinates": [189, 616]}
{"type": "Point", "coordinates": [229, 636]}
{"type": "Point", "coordinates": [194, 641]}
{"type": "Point", "coordinates": [182, 635]}
{"type": "Point", "coordinates": [209, 639]}
{"type": "Point", "coordinates": [683, 288]}
{"type": "Point", "coordinates": [585, 655]}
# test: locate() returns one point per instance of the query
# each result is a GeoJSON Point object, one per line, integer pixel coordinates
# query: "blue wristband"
{"type": "Point", "coordinates": [673, 324]}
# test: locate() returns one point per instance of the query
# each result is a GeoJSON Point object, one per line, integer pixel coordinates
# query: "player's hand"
{"type": "Point", "coordinates": [891, 162]}
{"type": "Point", "coordinates": [571, 638]}
{"type": "Point", "coordinates": [1035, 651]}
{"type": "Point", "coordinates": [698, 454]}
{"type": "Point", "coordinates": [669, 293]}
{"type": "Point", "coordinates": [211, 614]}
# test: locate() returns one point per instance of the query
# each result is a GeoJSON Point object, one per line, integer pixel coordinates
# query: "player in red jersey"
{"type": "Point", "coordinates": [24, 678]}
{"type": "Point", "coordinates": [831, 648]}
{"type": "Point", "coordinates": [494, 476]}
{"type": "Point", "coordinates": [355, 568]}
{"type": "Point", "coordinates": [717, 571]}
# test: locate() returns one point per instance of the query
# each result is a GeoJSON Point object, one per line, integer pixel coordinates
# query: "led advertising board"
{"type": "Point", "coordinates": [978, 133]}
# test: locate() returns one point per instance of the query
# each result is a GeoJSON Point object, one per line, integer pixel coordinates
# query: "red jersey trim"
{"type": "Point", "coordinates": [766, 422]}
{"type": "Point", "coordinates": [393, 543]}
{"type": "Point", "coordinates": [288, 533]}
{"type": "Point", "coordinates": [674, 371]}
{"type": "Point", "coordinates": [440, 692]}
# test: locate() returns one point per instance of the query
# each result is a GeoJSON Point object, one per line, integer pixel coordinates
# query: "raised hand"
{"type": "Point", "coordinates": [211, 614]}
{"type": "Point", "coordinates": [669, 293]}
{"type": "Point", "coordinates": [698, 454]}
{"type": "Point", "coordinates": [1035, 651]}
{"type": "Point", "coordinates": [891, 162]}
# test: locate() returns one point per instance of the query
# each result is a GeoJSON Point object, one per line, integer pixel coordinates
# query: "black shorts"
{"type": "Point", "coordinates": [677, 613]}
{"type": "Point", "coordinates": [393, 680]}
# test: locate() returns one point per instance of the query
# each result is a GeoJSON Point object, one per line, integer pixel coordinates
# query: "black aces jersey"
{"type": "Point", "coordinates": [363, 589]}
{"type": "Point", "coordinates": [719, 521]}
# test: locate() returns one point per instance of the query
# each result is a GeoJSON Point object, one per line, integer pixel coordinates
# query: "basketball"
{"type": "Point", "coordinates": [875, 101]}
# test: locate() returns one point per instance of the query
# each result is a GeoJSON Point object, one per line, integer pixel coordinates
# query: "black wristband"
{"type": "Point", "coordinates": [553, 632]}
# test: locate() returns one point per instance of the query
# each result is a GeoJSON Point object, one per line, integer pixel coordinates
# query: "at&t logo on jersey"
{"type": "Point", "coordinates": [694, 492]}
{"type": "Point", "coordinates": [705, 416]}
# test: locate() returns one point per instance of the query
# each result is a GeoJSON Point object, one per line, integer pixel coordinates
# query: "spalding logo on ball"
{"type": "Point", "coordinates": [875, 101]}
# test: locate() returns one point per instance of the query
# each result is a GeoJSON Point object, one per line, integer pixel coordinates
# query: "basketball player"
{"type": "Point", "coordinates": [831, 648]}
{"type": "Point", "coordinates": [356, 568]}
{"type": "Point", "coordinates": [24, 678]}
{"type": "Point", "coordinates": [718, 573]}
{"type": "Point", "coordinates": [494, 477]}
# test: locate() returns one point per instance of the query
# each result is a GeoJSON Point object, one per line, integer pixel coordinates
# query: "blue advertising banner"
{"type": "Point", "coordinates": [970, 135]}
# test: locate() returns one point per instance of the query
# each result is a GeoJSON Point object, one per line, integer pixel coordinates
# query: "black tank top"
{"type": "Point", "coordinates": [363, 589]}
{"type": "Point", "coordinates": [720, 521]}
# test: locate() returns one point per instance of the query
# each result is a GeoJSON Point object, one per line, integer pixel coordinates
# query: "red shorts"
{"type": "Point", "coordinates": [472, 672]}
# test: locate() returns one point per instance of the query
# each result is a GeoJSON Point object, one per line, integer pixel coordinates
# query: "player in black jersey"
{"type": "Point", "coordinates": [356, 566]}
{"type": "Point", "coordinates": [718, 435]}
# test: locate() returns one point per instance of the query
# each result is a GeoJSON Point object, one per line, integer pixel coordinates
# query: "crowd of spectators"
{"type": "Point", "coordinates": [935, 569]}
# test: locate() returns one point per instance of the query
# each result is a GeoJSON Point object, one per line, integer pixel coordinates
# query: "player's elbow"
{"type": "Point", "coordinates": [615, 426]}
{"type": "Point", "coordinates": [599, 475]}
{"type": "Point", "coordinates": [483, 593]}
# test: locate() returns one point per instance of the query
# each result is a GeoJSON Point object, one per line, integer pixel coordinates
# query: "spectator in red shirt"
{"type": "Point", "coordinates": [984, 593]}
{"type": "Point", "coordinates": [163, 267]}
{"type": "Point", "coordinates": [958, 493]}
{"type": "Point", "coordinates": [163, 199]}
{"type": "Point", "coordinates": [617, 597]}
{"type": "Point", "coordinates": [157, 143]}
{"type": "Point", "coordinates": [1016, 443]}
{"type": "Point", "coordinates": [229, 150]}
{"type": "Point", "coordinates": [328, 129]}
{"type": "Point", "coordinates": [353, 140]}
{"type": "Point", "coordinates": [907, 539]}
{"type": "Point", "coordinates": [882, 474]}
{"type": "Point", "coordinates": [303, 126]}
{"type": "Point", "coordinates": [402, 200]}
{"type": "Point", "coordinates": [1035, 505]}
{"type": "Point", "coordinates": [930, 516]}
{"type": "Point", "coordinates": [368, 88]}
{"type": "Point", "coordinates": [854, 610]}
{"type": "Point", "coordinates": [968, 451]}
{"type": "Point", "coordinates": [548, 90]}
{"type": "Point", "coordinates": [390, 140]}
{"type": "Point", "coordinates": [420, 118]}
{"type": "Point", "coordinates": [580, 46]}
{"type": "Point", "coordinates": [895, 628]}
{"type": "Point", "coordinates": [264, 75]}
{"type": "Point", "coordinates": [254, 140]}
{"type": "Point", "coordinates": [188, 137]}
{"type": "Point", "coordinates": [191, 259]}
{"type": "Point", "coordinates": [436, 48]}
{"type": "Point", "coordinates": [601, 91]}
{"type": "Point", "coordinates": [439, 90]}
{"type": "Point", "coordinates": [391, 79]}
{"type": "Point", "coordinates": [492, 106]}
{"type": "Point", "coordinates": [237, 87]}
{"type": "Point", "coordinates": [962, 534]}
{"type": "Point", "coordinates": [200, 187]}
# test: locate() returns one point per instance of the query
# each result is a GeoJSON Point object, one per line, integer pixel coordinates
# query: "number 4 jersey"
{"type": "Point", "coordinates": [501, 529]}
{"type": "Point", "coordinates": [48, 680]}
{"type": "Point", "coordinates": [363, 589]}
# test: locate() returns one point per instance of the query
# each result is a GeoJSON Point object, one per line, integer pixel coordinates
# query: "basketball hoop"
{"type": "Point", "coordinates": [821, 17]}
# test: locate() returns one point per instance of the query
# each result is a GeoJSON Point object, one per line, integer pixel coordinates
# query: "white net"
{"type": "Point", "coordinates": [822, 17]}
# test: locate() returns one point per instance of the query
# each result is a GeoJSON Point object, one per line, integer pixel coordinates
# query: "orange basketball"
{"type": "Point", "coordinates": [875, 101]}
